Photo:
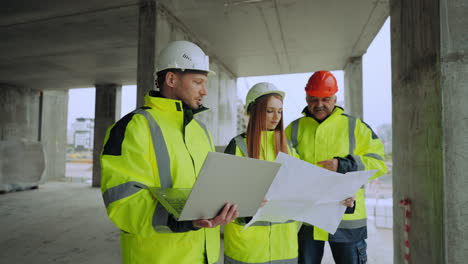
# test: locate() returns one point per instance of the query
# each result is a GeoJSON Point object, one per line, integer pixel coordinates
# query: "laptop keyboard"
{"type": "Point", "coordinates": [177, 203]}
{"type": "Point", "coordinates": [175, 197]}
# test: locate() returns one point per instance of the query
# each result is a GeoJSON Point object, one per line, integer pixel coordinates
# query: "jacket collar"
{"type": "Point", "coordinates": [151, 99]}
{"type": "Point", "coordinates": [156, 100]}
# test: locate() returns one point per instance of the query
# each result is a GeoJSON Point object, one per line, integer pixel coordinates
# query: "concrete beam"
{"type": "Point", "coordinates": [146, 49]}
{"type": "Point", "coordinates": [353, 87]}
{"type": "Point", "coordinates": [107, 111]}
{"type": "Point", "coordinates": [430, 120]}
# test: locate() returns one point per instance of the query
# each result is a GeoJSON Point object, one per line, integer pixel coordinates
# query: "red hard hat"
{"type": "Point", "coordinates": [321, 84]}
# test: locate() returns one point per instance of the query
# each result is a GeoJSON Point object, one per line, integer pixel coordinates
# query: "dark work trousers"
{"type": "Point", "coordinates": [311, 251]}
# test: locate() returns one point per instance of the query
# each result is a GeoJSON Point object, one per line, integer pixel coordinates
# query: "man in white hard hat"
{"type": "Point", "coordinates": [162, 145]}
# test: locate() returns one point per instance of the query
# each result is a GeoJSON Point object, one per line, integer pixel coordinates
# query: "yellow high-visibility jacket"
{"type": "Point", "coordinates": [355, 145]}
{"type": "Point", "coordinates": [263, 242]}
{"type": "Point", "coordinates": [159, 145]}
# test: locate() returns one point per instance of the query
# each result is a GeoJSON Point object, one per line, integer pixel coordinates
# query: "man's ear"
{"type": "Point", "coordinates": [171, 79]}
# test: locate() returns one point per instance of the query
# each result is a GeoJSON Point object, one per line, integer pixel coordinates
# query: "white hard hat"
{"type": "Point", "coordinates": [259, 90]}
{"type": "Point", "coordinates": [183, 55]}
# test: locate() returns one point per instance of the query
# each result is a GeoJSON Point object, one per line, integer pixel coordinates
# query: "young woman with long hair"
{"type": "Point", "coordinates": [262, 242]}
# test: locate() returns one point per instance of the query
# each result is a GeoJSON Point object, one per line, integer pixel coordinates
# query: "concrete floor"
{"type": "Point", "coordinates": [57, 223]}
{"type": "Point", "coordinates": [65, 222]}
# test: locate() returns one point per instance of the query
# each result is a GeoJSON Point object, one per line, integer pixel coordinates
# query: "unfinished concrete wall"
{"type": "Point", "coordinates": [31, 118]}
{"type": "Point", "coordinates": [221, 119]}
{"type": "Point", "coordinates": [210, 117]}
{"type": "Point", "coordinates": [430, 120]}
{"type": "Point", "coordinates": [19, 108]}
{"type": "Point", "coordinates": [227, 109]}
{"type": "Point", "coordinates": [19, 133]}
{"type": "Point", "coordinates": [53, 133]}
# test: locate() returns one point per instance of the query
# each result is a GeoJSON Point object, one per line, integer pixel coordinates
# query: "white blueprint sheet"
{"type": "Point", "coordinates": [304, 192]}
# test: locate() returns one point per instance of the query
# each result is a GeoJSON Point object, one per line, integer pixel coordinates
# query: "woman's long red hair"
{"type": "Point", "coordinates": [257, 124]}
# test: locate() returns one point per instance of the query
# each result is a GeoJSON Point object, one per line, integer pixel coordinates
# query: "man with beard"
{"type": "Point", "coordinates": [329, 138]}
{"type": "Point", "coordinates": [162, 145]}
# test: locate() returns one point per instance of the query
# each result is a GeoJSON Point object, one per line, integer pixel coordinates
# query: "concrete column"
{"type": "Point", "coordinates": [22, 160]}
{"type": "Point", "coordinates": [53, 133]}
{"type": "Point", "coordinates": [353, 87]}
{"type": "Point", "coordinates": [430, 120]}
{"type": "Point", "coordinates": [107, 111]}
{"type": "Point", "coordinates": [19, 118]}
{"type": "Point", "coordinates": [146, 49]}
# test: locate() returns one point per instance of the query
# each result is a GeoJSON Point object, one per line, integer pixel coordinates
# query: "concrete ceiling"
{"type": "Point", "coordinates": [55, 44]}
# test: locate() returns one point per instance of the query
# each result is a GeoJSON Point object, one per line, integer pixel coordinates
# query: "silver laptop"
{"type": "Point", "coordinates": [222, 178]}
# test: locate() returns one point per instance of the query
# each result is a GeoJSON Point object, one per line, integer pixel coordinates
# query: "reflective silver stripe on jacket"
{"type": "Point", "coordinates": [294, 131]}
{"type": "Point", "coordinates": [228, 260]}
{"type": "Point", "coordinates": [241, 144]}
{"type": "Point", "coordinates": [359, 163]}
{"type": "Point", "coordinates": [352, 138]}
{"type": "Point", "coordinates": [161, 215]}
{"type": "Point", "coordinates": [118, 192]}
{"type": "Point", "coordinates": [374, 155]}
{"type": "Point", "coordinates": [353, 224]}
{"type": "Point", "coordinates": [160, 149]}
{"type": "Point", "coordinates": [352, 142]}
{"type": "Point", "coordinates": [290, 147]}
{"type": "Point", "coordinates": [206, 132]}
{"type": "Point", "coordinates": [121, 191]}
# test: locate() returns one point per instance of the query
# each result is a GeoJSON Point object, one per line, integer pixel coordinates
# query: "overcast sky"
{"type": "Point", "coordinates": [376, 81]}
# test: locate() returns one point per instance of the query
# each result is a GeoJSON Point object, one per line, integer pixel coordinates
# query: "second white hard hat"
{"type": "Point", "coordinates": [261, 89]}
{"type": "Point", "coordinates": [183, 55]}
